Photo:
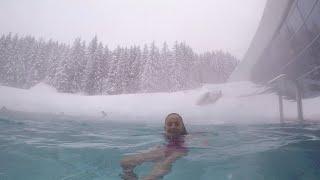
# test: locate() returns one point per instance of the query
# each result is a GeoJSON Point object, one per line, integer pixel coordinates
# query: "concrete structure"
{"type": "Point", "coordinates": [286, 42]}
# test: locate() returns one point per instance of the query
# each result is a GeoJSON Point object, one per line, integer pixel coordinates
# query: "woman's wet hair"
{"type": "Point", "coordinates": [184, 131]}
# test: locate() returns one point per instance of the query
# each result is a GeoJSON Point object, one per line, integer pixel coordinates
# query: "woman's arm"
{"type": "Point", "coordinates": [163, 167]}
{"type": "Point", "coordinates": [128, 163]}
{"type": "Point", "coordinates": [136, 159]}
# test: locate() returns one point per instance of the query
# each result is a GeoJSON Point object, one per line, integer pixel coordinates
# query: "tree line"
{"type": "Point", "coordinates": [94, 69]}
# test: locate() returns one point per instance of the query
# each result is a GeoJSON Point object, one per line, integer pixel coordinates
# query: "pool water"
{"type": "Point", "coordinates": [73, 149]}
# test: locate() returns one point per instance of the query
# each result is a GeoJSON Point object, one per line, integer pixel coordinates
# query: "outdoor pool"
{"type": "Point", "coordinates": [91, 149]}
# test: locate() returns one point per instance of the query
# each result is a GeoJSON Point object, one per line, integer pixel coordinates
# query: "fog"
{"type": "Point", "coordinates": [204, 25]}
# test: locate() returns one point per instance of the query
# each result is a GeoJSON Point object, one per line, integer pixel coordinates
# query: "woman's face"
{"type": "Point", "coordinates": [173, 126]}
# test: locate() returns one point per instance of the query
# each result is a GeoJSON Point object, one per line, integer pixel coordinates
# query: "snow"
{"type": "Point", "coordinates": [235, 106]}
{"type": "Point", "coordinates": [43, 88]}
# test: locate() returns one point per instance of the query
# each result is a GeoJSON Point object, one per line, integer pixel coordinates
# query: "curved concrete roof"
{"type": "Point", "coordinates": [274, 14]}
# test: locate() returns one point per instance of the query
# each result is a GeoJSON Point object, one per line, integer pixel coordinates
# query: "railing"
{"type": "Point", "coordinates": [279, 82]}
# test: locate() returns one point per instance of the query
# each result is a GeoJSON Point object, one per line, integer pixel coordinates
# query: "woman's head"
{"type": "Point", "coordinates": [174, 125]}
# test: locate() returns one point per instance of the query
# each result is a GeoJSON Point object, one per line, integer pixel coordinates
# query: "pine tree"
{"type": "Point", "coordinates": [177, 68]}
{"type": "Point", "coordinates": [94, 69]}
{"type": "Point", "coordinates": [134, 69]}
{"type": "Point", "coordinates": [62, 78]}
{"type": "Point", "coordinates": [123, 71]}
{"type": "Point", "coordinates": [100, 68]}
{"type": "Point", "coordinates": [77, 65]}
{"type": "Point", "coordinates": [143, 60]}
{"type": "Point", "coordinates": [3, 61]}
{"type": "Point", "coordinates": [164, 71]}
{"type": "Point", "coordinates": [55, 59]}
{"type": "Point", "coordinates": [110, 84]}
{"type": "Point", "coordinates": [150, 76]}
{"type": "Point", "coordinates": [90, 65]}
{"type": "Point", "coordinates": [105, 69]}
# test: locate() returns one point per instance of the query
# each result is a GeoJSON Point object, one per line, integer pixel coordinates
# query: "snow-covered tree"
{"type": "Point", "coordinates": [134, 69]}
{"type": "Point", "coordinates": [77, 65]}
{"type": "Point", "coordinates": [90, 67]}
{"type": "Point", "coordinates": [62, 78]}
{"type": "Point", "coordinates": [150, 74]}
{"type": "Point", "coordinates": [95, 69]}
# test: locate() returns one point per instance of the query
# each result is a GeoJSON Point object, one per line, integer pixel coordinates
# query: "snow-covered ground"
{"type": "Point", "coordinates": [234, 106]}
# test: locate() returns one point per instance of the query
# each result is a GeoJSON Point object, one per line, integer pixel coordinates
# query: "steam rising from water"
{"type": "Point", "coordinates": [235, 106]}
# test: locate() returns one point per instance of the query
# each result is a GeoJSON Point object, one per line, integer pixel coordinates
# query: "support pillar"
{"type": "Point", "coordinates": [299, 101]}
{"type": "Point", "coordinates": [280, 101]}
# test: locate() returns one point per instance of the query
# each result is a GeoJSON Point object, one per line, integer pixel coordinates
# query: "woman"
{"type": "Point", "coordinates": [163, 157]}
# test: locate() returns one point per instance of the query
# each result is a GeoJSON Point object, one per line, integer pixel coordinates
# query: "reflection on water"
{"type": "Point", "coordinates": [72, 149]}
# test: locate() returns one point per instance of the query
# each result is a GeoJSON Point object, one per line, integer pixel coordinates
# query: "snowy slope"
{"type": "Point", "coordinates": [234, 106]}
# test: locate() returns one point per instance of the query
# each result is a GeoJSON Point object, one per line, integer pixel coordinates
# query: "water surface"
{"type": "Point", "coordinates": [49, 148]}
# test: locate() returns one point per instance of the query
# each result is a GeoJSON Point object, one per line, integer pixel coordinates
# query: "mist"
{"type": "Point", "coordinates": [205, 25]}
{"type": "Point", "coordinates": [159, 89]}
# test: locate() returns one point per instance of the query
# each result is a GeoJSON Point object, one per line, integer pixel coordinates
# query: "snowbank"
{"type": "Point", "coordinates": [43, 88]}
{"type": "Point", "coordinates": [235, 105]}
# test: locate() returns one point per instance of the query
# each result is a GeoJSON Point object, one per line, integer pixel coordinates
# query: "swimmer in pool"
{"type": "Point", "coordinates": [163, 156]}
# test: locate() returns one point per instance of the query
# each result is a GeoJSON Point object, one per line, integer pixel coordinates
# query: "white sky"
{"type": "Point", "coordinates": [202, 24]}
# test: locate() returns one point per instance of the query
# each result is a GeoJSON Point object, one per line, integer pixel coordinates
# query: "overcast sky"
{"type": "Point", "coordinates": [202, 24]}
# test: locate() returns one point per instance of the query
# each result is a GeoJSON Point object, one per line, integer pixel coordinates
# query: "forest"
{"type": "Point", "coordinates": [94, 69]}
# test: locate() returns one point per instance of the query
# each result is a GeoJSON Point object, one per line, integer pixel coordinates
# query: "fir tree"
{"type": "Point", "coordinates": [94, 69]}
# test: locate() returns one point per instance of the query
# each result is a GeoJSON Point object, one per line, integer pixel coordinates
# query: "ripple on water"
{"type": "Point", "coordinates": [76, 150]}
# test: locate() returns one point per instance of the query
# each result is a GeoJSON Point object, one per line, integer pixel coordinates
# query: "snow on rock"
{"type": "Point", "coordinates": [235, 105]}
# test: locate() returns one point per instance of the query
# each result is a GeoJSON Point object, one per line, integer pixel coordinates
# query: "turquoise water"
{"type": "Point", "coordinates": [72, 149]}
